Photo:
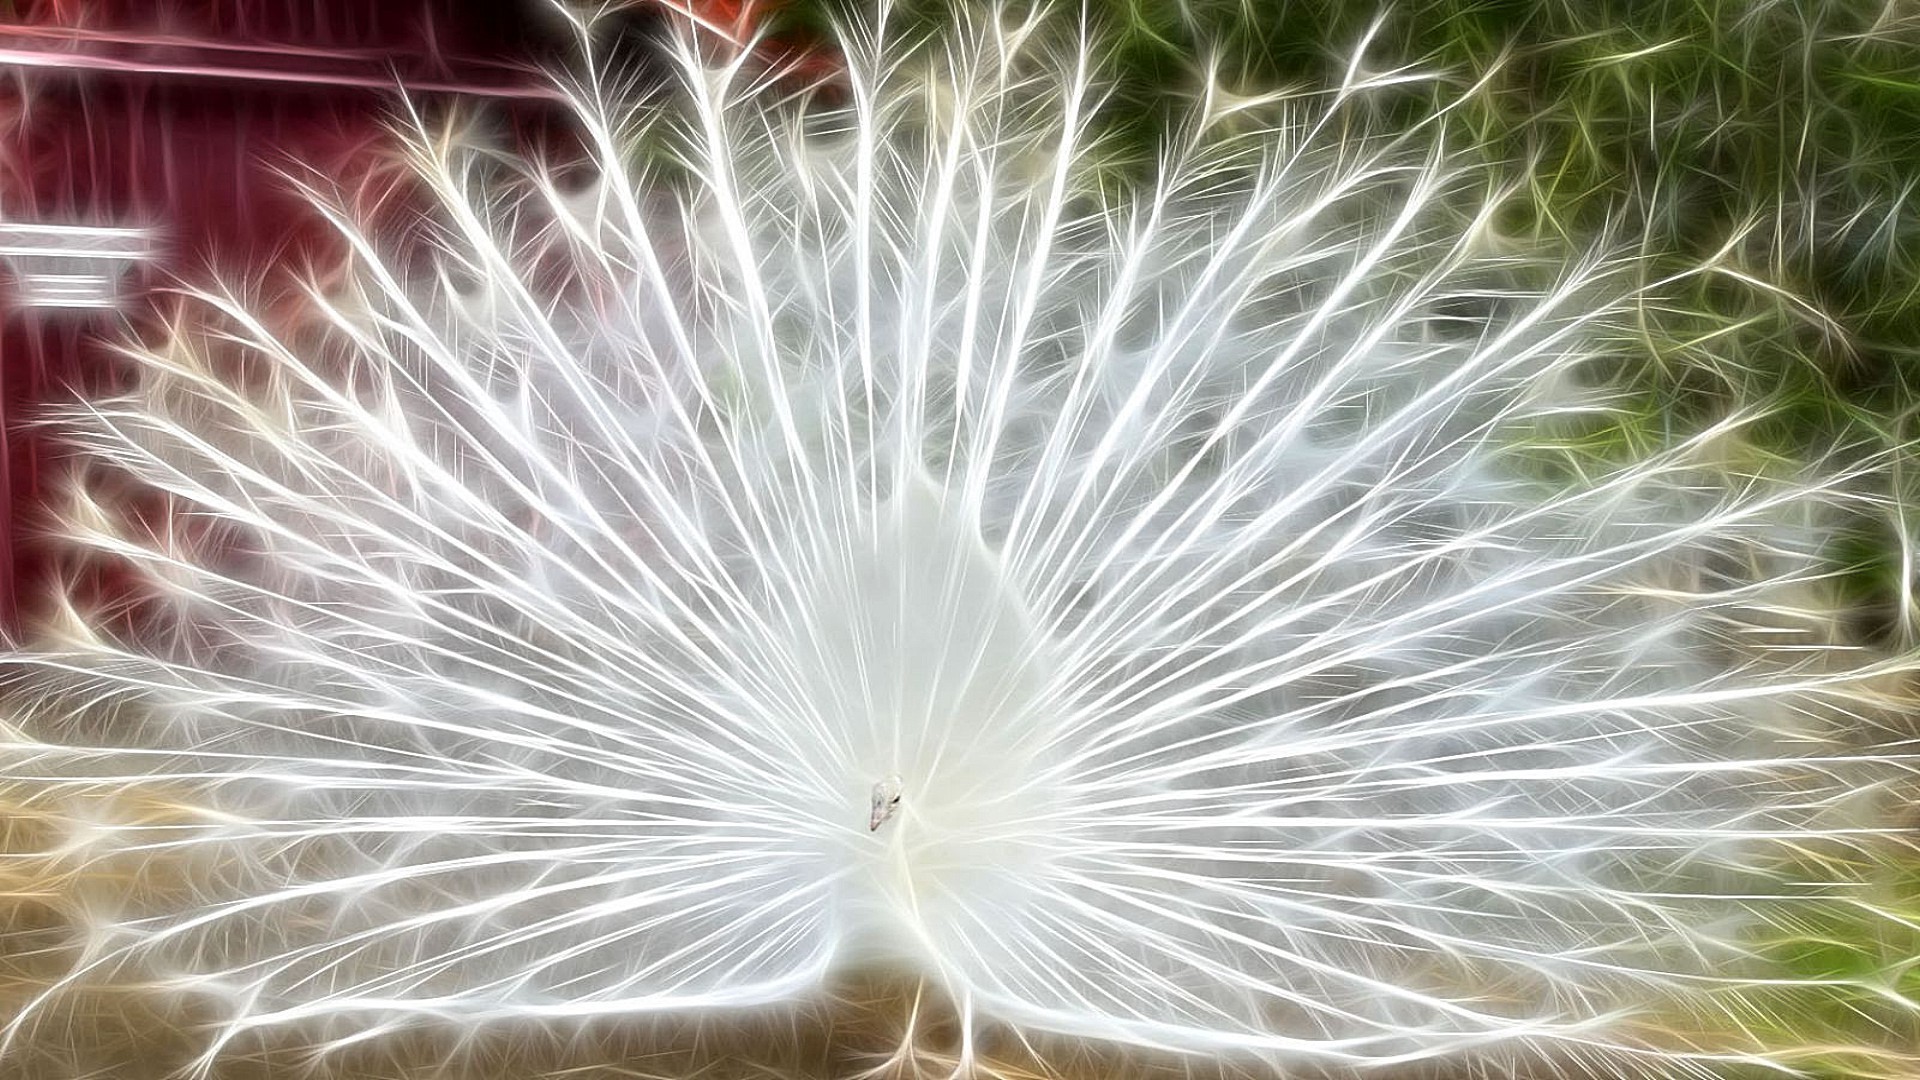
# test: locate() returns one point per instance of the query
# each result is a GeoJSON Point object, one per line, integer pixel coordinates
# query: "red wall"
{"type": "Point", "coordinates": [173, 114]}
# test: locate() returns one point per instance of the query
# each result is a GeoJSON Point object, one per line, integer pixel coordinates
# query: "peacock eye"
{"type": "Point", "coordinates": [895, 801]}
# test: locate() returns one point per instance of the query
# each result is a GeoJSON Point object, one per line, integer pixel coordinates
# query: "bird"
{"type": "Point", "coordinates": [1183, 556]}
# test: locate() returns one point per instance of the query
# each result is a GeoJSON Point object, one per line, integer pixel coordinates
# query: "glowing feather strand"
{"type": "Point", "coordinates": [882, 544]}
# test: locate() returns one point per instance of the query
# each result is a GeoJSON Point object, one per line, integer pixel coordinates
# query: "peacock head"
{"type": "Point", "coordinates": [886, 802]}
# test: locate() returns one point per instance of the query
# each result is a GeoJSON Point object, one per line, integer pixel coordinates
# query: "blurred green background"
{"type": "Point", "coordinates": [1779, 141]}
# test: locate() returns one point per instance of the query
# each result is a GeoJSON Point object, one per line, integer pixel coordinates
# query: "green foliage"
{"type": "Point", "coordinates": [1777, 141]}
{"type": "Point", "coordinates": [1867, 952]}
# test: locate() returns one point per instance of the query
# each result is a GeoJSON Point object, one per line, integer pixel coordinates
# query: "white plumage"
{"type": "Point", "coordinates": [595, 569]}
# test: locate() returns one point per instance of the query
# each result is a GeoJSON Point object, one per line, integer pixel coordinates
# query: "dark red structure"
{"type": "Point", "coordinates": [139, 143]}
